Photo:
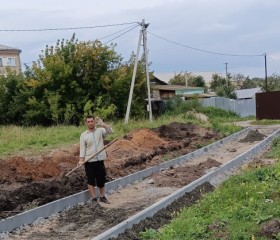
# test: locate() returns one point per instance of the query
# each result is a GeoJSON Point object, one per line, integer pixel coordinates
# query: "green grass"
{"type": "Point", "coordinates": [31, 140]}
{"type": "Point", "coordinates": [235, 210]}
{"type": "Point", "coordinates": [265, 122]}
{"type": "Point", "coordinates": [34, 140]}
{"type": "Point", "coordinates": [275, 152]}
{"type": "Point", "coordinates": [222, 120]}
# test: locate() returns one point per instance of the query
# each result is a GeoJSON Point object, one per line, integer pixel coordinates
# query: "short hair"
{"type": "Point", "coordinates": [89, 116]}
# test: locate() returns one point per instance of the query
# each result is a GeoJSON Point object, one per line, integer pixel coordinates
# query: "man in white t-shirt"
{"type": "Point", "coordinates": [92, 141]}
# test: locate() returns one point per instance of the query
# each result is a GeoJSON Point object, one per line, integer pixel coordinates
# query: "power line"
{"type": "Point", "coordinates": [56, 39]}
{"type": "Point", "coordinates": [117, 32]}
{"type": "Point", "coordinates": [206, 51]}
{"type": "Point", "coordinates": [129, 29]}
{"type": "Point", "coordinates": [59, 29]}
{"type": "Point", "coordinates": [121, 34]}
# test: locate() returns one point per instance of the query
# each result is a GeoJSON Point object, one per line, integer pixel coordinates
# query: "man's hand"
{"type": "Point", "coordinates": [99, 121]}
{"type": "Point", "coordinates": [81, 161]}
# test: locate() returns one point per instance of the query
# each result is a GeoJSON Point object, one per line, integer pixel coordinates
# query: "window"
{"type": "Point", "coordinates": [1, 62]}
{"type": "Point", "coordinates": [11, 62]}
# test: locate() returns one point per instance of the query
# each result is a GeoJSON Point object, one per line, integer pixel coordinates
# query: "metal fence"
{"type": "Point", "coordinates": [244, 108]}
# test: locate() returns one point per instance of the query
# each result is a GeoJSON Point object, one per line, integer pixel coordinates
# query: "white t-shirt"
{"type": "Point", "coordinates": [92, 142]}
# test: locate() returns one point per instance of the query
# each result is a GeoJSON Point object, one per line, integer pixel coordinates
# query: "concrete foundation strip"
{"type": "Point", "coordinates": [150, 211]}
{"type": "Point", "coordinates": [44, 211]}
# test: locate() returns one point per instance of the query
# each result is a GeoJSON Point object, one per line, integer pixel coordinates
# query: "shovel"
{"type": "Point", "coordinates": [65, 175]}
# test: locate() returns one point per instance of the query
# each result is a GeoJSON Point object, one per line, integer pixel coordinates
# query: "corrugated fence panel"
{"type": "Point", "coordinates": [244, 108]}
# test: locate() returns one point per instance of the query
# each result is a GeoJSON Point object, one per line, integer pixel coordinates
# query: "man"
{"type": "Point", "coordinates": [92, 141]}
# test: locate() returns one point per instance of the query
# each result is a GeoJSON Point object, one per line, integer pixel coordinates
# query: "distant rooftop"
{"type": "Point", "coordinates": [247, 93]}
{"type": "Point", "coordinates": [174, 87]}
{"type": "Point", "coordinates": [4, 47]}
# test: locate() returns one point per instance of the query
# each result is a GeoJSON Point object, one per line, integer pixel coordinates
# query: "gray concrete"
{"type": "Point", "coordinates": [28, 217]}
{"type": "Point", "coordinates": [150, 211]}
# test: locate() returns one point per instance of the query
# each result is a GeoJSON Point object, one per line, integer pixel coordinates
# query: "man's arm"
{"type": "Point", "coordinates": [82, 151]}
{"type": "Point", "coordinates": [102, 124]}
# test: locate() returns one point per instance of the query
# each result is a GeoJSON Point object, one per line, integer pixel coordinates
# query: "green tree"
{"type": "Point", "coordinates": [69, 80]}
{"type": "Point", "coordinates": [273, 83]}
{"type": "Point", "coordinates": [121, 87]}
{"type": "Point", "coordinates": [179, 79]}
{"type": "Point", "coordinates": [217, 81]}
{"type": "Point", "coordinates": [222, 86]}
{"type": "Point", "coordinates": [66, 77]}
{"type": "Point", "coordinates": [249, 83]}
{"type": "Point", "coordinates": [196, 81]}
{"type": "Point", "coordinates": [12, 102]}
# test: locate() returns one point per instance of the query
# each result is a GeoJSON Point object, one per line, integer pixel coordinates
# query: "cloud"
{"type": "Point", "coordinates": [225, 26]}
{"type": "Point", "coordinates": [217, 27]}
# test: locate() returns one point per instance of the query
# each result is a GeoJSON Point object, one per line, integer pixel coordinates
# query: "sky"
{"type": "Point", "coordinates": [182, 35]}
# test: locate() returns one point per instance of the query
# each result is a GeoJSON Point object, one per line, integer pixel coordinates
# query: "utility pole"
{"type": "Point", "coordinates": [265, 68]}
{"type": "Point", "coordinates": [143, 34]}
{"type": "Point", "coordinates": [227, 75]}
{"type": "Point", "coordinates": [133, 78]}
{"type": "Point", "coordinates": [147, 69]}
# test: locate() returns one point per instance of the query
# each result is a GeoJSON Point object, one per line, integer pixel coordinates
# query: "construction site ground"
{"type": "Point", "coordinates": [27, 182]}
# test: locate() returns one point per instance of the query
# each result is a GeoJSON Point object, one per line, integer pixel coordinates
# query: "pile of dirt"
{"type": "Point", "coordinates": [179, 131]}
{"type": "Point", "coordinates": [252, 136]}
{"type": "Point", "coordinates": [27, 182]}
{"type": "Point", "coordinates": [270, 229]}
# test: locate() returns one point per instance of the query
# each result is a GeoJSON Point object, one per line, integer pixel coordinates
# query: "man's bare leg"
{"type": "Point", "coordinates": [102, 191]}
{"type": "Point", "coordinates": [92, 191]}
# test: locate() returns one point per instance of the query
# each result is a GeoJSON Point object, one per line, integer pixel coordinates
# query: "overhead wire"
{"type": "Point", "coordinates": [98, 38]}
{"type": "Point", "coordinates": [121, 34]}
{"type": "Point", "coordinates": [129, 29]}
{"type": "Point", "coordinates": [117, 32]}
{"type": "Point", "coordinates": [66, 28]}
{"type": "Point", "coordinates": [206, 51]}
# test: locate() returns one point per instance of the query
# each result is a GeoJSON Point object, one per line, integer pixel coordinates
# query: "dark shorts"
{"type": "Point", "coordinates": [96, 173]}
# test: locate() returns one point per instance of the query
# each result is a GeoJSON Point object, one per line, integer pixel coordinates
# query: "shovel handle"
{"type": "Point", "coordinates": [91, 156]}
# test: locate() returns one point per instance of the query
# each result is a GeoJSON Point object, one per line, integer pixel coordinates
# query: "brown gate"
{"type": "Point", "coordinates": [268, 105]}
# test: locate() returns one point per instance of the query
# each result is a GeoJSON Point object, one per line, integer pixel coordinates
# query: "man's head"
{"type": "Point", "coordinates": [90, 122]}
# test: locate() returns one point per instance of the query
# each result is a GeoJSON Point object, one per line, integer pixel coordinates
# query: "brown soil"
{"type": "Point", "coordinates": [164, 216]}
{"type": "Point", "coordinates": [270, 229]}
{"type": "Point", "coordinates": [253, 136]}
{"type": "Point", "coordinates": [30, 182]}
{"type": "Point", "coordinates": [27, 182]}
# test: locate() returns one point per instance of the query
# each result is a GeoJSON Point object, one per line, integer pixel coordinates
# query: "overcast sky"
{"type": "Point", "coordinates": [180, 35]}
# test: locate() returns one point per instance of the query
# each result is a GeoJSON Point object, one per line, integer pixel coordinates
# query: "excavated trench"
{"type": "Point", "coordinates": [27, 182]}
{"type": "Point", "coordinates": [151, 147]}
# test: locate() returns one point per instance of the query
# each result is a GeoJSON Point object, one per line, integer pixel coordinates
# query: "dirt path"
{"type": "Point", "coordinates": [86, 220]}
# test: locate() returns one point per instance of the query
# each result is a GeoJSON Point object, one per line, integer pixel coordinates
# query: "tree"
{"type": "Point", "coordinates": [121, 87]}
{"type": "Point", "coordinates": [249, 83]}
{"type": "Point", "coordinates": [69, 80]}
{"type": "Point", "coordinates": [217, 81]}
{"type": "Point", "coordinates": [273, 82]}
{"type": "Point", "coordinates": [65, 78]}
{"type": "Point", "coordinates": [196, 81]}
{"type": "Point", "coordinates": [222, 86]}
{"type": "Point", "coordinates": [179, 79]}
{"type": "Point", "coordinates": [12, 100]}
